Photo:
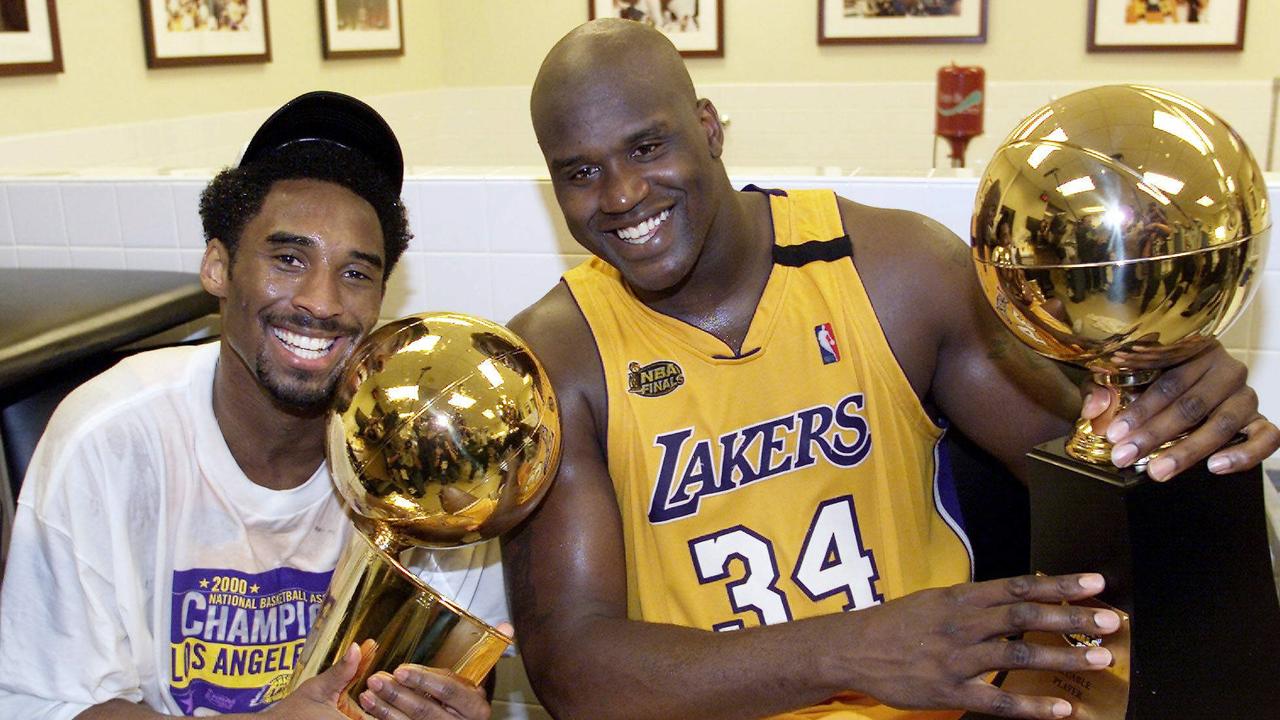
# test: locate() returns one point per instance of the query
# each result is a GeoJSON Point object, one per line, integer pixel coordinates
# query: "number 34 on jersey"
{"type": "Point", "coordinates": [832, 563]}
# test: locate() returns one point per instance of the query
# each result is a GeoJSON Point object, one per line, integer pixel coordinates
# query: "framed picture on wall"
{"type": "Point", "coordinates": [862, 22]}
{"type": "Point", "coordinates": [696, 27]}
{"type": "Point", "coordinates": [29, 38]}
{"type": "Point", "coordinates": [361, 28]}
{"type": "Point", "coordinates": [1124, 25]}
{"type": "Point", "coordinates": [205, 32]}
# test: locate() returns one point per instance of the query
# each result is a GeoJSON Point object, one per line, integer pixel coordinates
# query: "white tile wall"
{"type": "Point", "coordinates": [147, 215]}
{"type": "Point", "coordinates": [186, 206]}
{"type": "Point", "coordinates": [93, 219]}
{"type": "Point", "coordinates": [519, 279]}
{"type": "Point", "coordinates": [46, 257]}
{"type": "Point", "coordinates": [6, 220]}
{"type": "Point", "coordinates": [104, 258]}
{"type": "Point", "coordinates": [459, 281]}
{"type": "Point", "coordinates": [35, 212]}
{"type": "Point", "coordinates": [1266, 311]}
{"type": "Point", "coordinates": [152, 259]}
{"type": "Point", "coordinates": [448, 216]}
{"type": "Point", "coordinates": [523, 218]}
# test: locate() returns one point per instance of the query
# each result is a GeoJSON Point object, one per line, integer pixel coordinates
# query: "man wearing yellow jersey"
{"type": "Point", "coordinates": [747, 381]}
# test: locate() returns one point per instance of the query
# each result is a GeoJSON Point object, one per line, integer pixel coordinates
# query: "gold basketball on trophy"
{"type": "Point", "coordinates": [1120, 228]}
{"type": "Point", "coordinates": [444, 432]}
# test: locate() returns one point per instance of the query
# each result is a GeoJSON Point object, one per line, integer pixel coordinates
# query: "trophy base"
{"type": "Point", "coordinates": [1087, 446]}
{"type": "Point", "coordinates": [1187, 564]}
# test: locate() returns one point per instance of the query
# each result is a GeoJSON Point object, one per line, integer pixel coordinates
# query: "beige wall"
{"type": "Point", "coordinates": [462, 43]}
{"type": "Point", "coordinates": [106, 79]}
{"type": "Point", "coordinates": [776, 41]}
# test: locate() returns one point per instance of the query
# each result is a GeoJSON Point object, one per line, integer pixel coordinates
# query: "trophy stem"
{"type": "Point", "coordinates": [1088, 443]}
{"type": "Point", "coordinates": [395, 618]}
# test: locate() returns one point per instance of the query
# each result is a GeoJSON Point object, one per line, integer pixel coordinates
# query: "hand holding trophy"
{"type": "Point", "coordinates": [1122, 228]}
{"type": "Point", "coordinates": [444, 432]}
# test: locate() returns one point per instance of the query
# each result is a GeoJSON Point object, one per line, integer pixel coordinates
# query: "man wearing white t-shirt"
{"type": "Point", "coordinates": [177, 526]}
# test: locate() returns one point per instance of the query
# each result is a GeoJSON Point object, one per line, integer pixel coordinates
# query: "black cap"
{"type": "Point", "coordinates": [324, 116]}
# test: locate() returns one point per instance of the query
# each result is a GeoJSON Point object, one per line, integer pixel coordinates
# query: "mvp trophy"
{"type": "Point", "coordinates": [1121, 229]}
{"type": "Point", "coordinates": [444, 432]}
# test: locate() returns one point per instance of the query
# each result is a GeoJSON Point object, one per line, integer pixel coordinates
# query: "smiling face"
{"type": "Point", "coordinates": [304, 286]}
{"type": "Point", "coordinates": [633, 155]}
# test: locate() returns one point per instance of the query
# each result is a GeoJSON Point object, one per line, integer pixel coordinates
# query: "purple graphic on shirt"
{"type": "Point", "coordinates": [235, 636]}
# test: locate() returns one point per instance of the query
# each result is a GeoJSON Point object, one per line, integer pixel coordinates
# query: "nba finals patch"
{"type": "Point", "coordinates": [655, 379]}
{"type": "Point", "coordinates": [827, 345]}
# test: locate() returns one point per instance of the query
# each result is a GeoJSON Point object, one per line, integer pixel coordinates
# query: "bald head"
{"type": "Point", "coordinates": [608, 60]}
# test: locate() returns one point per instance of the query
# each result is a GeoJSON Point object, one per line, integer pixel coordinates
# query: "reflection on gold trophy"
{"type": "Point", "coordinates": [1121, 229]}
{"type": "Point", "coordinates": [444, 432]}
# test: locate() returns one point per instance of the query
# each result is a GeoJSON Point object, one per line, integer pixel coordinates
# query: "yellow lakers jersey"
{"type": "Point", "coordinates": [798, 477]}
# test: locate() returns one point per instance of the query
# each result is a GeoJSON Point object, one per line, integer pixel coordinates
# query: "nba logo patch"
{"type": "Point", "coordinates": [827, 346]}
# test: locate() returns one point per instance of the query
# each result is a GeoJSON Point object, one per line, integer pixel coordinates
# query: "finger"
{"type": "Point", "coordinates": [330, 683]}
{"type": "Point", "coordinates": [993, 655]}
{"type": "Point", "coordinates": [1181, 398]}
{"type": "Point", "coordinates": [1215, 421]}
{"type": "Point", "coordinates": [1096, 400]}
{"type": "Point", "coordinates": [984, 698]}
{"type": "Point", "coordinates": [1219, 430]}
{"type": "Point", "coordinates": [376, 707]}
{"type": "Point", "coordinates": [444, 688]}
{"type": "Point", "coordinates": [1018, 618]}
{"type": "Point", "coordinates": [1262, 441]}
{"type": "Point", "coordinates": [1028, 588]}
{"type": "Point", "coordinates": [387, 699]}
{"type": "Point", "coordinates": [507, 629]}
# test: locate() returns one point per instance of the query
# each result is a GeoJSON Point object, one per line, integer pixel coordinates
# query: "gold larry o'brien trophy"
{"type": "Point", "coordinates": [1121, 229]}
{"type": "Point", "coordinates": [444, 432]}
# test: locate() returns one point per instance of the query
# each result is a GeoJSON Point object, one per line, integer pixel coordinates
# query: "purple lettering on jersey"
{"type": "Point", "coordinates": [235, 637]}
{"type": "Point", "coordinates": [754, 453]}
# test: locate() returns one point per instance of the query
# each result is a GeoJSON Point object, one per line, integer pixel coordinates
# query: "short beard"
{"type": "Point", "coordinates": [297, 394]}
{"type": "Point", "coordinates": [301, 393]}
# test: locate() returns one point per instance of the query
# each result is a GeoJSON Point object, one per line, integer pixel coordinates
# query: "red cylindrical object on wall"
{"type": "Point", "coordinates": [961, 92]}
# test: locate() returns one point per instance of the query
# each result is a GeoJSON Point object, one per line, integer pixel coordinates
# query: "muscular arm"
{"type": "Point", "coordinates": [955, 352]}
{"type": "Point", "coordinates": [566, 578]}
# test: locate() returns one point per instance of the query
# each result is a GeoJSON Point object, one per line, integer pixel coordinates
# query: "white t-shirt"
{"type": "Point", "coordinates": [146, 566]}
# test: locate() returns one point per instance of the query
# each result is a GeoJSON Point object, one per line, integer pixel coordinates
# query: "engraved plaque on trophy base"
{"type": "Point", "coordinates": [1187, 566]}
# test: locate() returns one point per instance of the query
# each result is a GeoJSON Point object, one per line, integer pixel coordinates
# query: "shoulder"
{"type": "Point", "coordinates": [560, 337]}
{"type": "Point", "coordinates": [558, 332]}
{"type": "Point", "coordinates": [886, 237]}
{"type": "Point", "coordinates": [137, 402]}
{"type": "Point", "coordinates": [101, 445]}
{"type": "Point", "coordinates": [127, 388]}
{"type": "Point", "coordinates": [918, 277]}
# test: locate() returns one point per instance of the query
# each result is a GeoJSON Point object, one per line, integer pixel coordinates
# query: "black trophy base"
{"type": "Point", "coordinates": [1189, 561]}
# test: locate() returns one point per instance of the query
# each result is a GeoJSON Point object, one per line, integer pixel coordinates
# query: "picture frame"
{"type": "Point", "coordinates": [874, 22]}
{"type": "Point", "coordinates": [361, 28]}
{"type": "Point", "coordinates": [1164, 25]}
{"type": "Point", "coordinates": [205, 32]}
{"type": "Point", "coordinates": [695, 27]}
{"type": "Point", "coordinates": [29, 43]}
